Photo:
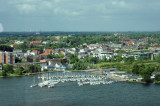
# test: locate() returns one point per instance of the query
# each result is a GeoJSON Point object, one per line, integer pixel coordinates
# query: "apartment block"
{"type": "Point", "coordinates": [7, 57]}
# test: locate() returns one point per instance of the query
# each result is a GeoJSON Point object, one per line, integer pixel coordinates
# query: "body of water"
{"type": "Point", "coordinates": [17, 92]}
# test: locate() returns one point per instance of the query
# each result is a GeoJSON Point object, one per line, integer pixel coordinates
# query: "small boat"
{"type": "Point", "coordinates": [34, 85]}
{"type": "Point", "coordinates": [80, 84]}
{"type": "Point", "coordinates": [41, 85]}
{"type": "Point", "coordinates": [51, 85]}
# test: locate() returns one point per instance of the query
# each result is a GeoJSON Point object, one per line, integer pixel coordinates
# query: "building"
{"type": "Point", "coordinates": [7, 57]}
{"type": "Point", "coordinates": [48, 52]}
{"type": "Point", "coordinates": [34, 52]}
{"type": "Point", "coordinates": [19, 42]}
{"type": "Point", "coordinates": [56, 42]}
{"type": "Point", "coordinates": [36, 42]}
{"type": "Point", "coordinates": [15, 44]}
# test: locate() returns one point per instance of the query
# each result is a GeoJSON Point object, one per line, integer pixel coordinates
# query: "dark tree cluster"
{"type": "Point", "coordinates": [6, 48]}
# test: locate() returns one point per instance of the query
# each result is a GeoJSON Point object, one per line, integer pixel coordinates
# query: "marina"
{"type": "Point", "coordinates": [51, 79]}
{"type": "Point", "coordinates": [16, 91]}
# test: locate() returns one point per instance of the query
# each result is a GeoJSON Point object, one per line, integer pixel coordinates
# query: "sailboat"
{"type": "Point", "coordinates": [34, 83]}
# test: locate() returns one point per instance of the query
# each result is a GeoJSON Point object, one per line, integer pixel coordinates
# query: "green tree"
{"type": "Point", "coordinates": [37, 68]}
{"type": "Point", "coordinates": [118, 58]}
{"type": "Point", "coordinates": [32, 68]}
{"type": "Point", "coordinates": [5, 48]}
{"type": "Point", "coordinates": [130, 59]}
{"type": "Point", "coordinates": [157, 68]}
{"type": "Point", "coordinates": [18, 60]}
{"type": "Point", "coordinates": [50, 56]}
{"type": "Point", "coordinates": [36, 59]}
{"type": "Point", "coordinates": [146, 73]}
{"type": "Point", "coordinates": [19, 70]}
{"type": "Point", "coordinates": [135, 68]}
{"type": "Point", "coordinates": [146, 78]}
{"type": "Point", "coordinates": [4, 73]}
{"type": "Point", "coordinates": [157, 77]}
{"type": "Point", "coordinates": [8, 68]}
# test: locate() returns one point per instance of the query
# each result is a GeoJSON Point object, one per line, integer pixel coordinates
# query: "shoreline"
{"type": "Point", "coordinates": [94, 71]}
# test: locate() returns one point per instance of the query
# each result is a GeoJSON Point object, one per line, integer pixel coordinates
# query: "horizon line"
{"type": "Point", "coordinates": [72, 31]}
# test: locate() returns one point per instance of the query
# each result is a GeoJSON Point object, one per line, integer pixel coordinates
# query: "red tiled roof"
{"type": "Point", "coordinates": [55, 41]}
{"type": "Point", "coordinates": [35, 42]}
{"type": "Point", "coordinates": [14, 44]}
{"type": "Point", "coordinates": [47, 52]}
{"type": "Point", "coordinates": [34, 50]}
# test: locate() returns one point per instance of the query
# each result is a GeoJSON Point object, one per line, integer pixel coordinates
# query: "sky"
{"type": "Point", "coordinates": [79, 15]}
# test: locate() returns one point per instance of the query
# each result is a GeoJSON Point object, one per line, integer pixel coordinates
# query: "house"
{"type": "Point", "coordinates": [56, 42]}
{"type": "Point", "coordinates": [36, 42]}
{"type": "Point", "coordinates": [54, 66]}
{"type": "Point", "coordinates": [48, 52]}
{"type": "Point", "coordinates": [34, 52]}
{"type": "Point", "coordinates": [106, 55]}
{"type": "Point", "coordinates": [19, 42]}
{"type": "Point", "coordinates": [83, 51]}
{"type": "Point", "coordinates": [80, 56]}
{"type": "Point", "coordinates": [93, 46]}
{"type": "Point", "coordinates": [29, 58]}
{"type": "Point", "coordinates": [116, 45]}
{"type": "Point", "coordinates": [53, 60]}
{"type": "Point", "coordinates": [43, 65]}
{"type": "Point", "coordinates": [19, 53]}
{"type": "Point", "coordinates": [15, 44]}
{"type": "Point", "coordinates": [141, 55]}
{"type": "Point", "coordinates": [71, 50]}
{"type": "Point", "coordinates": [45, 42]}
{"type": "Point", "coordinates": [131, 42]}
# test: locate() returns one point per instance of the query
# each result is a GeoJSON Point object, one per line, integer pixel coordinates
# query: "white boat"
{"type": "Point", "coordinates": [41, 85]}
{"type": "Point", "coordinates": [80, 84]}
{"type": "Point", "coordinates": [51, 85]}
{"type": "Point", "coordinates": [34, 85]}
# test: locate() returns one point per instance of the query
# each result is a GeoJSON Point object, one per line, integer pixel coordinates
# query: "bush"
{"type": "Point", "coordinates": [4, 73]}
{"type": "Point", "coordinates": [19, 71]}
{"type": "Point", "coordinates": [8, 68]}
{"type": "Point", "coordinates": [157, 77]}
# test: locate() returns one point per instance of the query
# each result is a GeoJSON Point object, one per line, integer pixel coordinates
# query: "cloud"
{"type": "Point", "coordinates": [26, 8]}
{"type": "Point", "coordinates": [1, 27]}
{"type": "Point", "coordinates": [79, 14]}
{"type": "Point", "coordinates": [32, 6]}
{"type": "Point", "coordinates": [83, 7]}
{"type": "Point", "coordinates": [58, 7]}
{"type": "Point", "coordinates": [119, 3]}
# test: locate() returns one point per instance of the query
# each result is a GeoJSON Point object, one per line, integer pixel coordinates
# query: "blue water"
{"type": "Point", "coordinates": [16, 92]}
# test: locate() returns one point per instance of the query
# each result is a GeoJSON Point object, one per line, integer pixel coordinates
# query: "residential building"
{"type": "Point", "coordinates": [15, 44]}
{"type": "Point", "coordinates": [19, 42]}
{"type": "Point", "coordinates": [36, 42]}
{"type": "Point", "coordinates": [7, 57]}
{"type": "Point", "coordinates": [48, 52]}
